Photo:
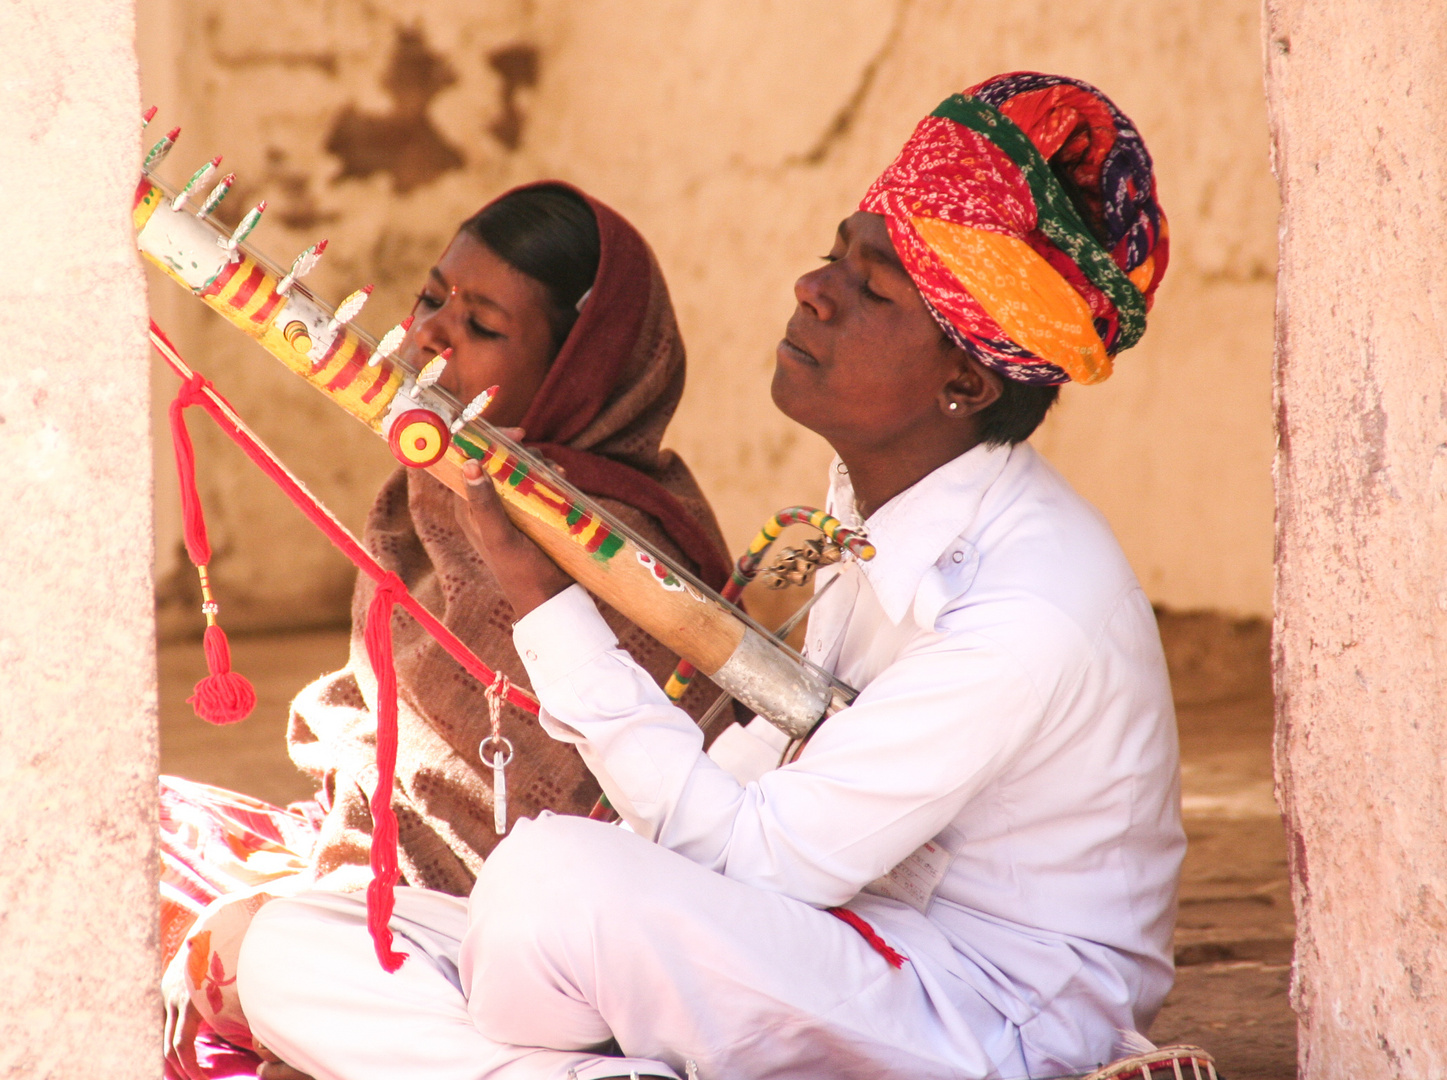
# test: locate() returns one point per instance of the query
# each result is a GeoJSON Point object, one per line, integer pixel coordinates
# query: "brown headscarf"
{"type": "Point", "coordinates": [600, 414]}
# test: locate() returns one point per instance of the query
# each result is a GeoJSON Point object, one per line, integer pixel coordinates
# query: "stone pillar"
{"type": "Point", "coordinates": [78, 963]}
{"type": "Point", "coordinates": [1358, 97]}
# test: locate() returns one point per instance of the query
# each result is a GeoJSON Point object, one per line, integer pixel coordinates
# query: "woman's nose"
{"type": "Point", "coordinates": [812, 292]}
{"type": "Point", "coordinates": [432, 330]}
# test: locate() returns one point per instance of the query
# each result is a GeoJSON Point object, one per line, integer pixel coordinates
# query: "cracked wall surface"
{"type": "Point", "coordinates": [80, 963]}
{"type": "Point", "coordinates": [735, 135]}
{"type": "Point", "coordinates": [1358, 97]}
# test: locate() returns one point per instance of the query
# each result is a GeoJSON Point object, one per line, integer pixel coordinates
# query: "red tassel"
{"type": "Point", "coordinates": [224, 696]}
{"type": "Point", "coordinates": [868, 933]}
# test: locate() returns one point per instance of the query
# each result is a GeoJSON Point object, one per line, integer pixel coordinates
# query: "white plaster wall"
{"type": "Point", "coordinates": [1359, 99]}
{"type": "Point", "coordinates": [78, 964]}
{"type": "Point", "coordinates": [735, 134]}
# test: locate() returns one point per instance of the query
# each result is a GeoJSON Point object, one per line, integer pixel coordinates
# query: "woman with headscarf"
{"type": "Point", "coordinates": [555, 298]}
{"type": "Point", "coordinates": [970, 872]}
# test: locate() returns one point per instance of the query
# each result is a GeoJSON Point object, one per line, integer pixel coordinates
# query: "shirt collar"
{"type": "Point", "coordinates": [912, 531]}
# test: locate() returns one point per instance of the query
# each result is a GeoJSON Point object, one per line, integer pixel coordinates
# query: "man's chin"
{"type": "Point", "coordinates": [790, 396]}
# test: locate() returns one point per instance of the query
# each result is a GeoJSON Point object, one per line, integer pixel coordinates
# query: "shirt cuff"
{"type": "Point", "coordinates": [560, 635]}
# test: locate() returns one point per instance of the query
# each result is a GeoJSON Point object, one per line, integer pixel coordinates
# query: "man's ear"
{"type": "Point", "coordinates": [972, 389]}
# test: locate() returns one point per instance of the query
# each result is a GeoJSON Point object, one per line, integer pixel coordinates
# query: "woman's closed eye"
{"type": "Point", "coordinates": [433, 302]}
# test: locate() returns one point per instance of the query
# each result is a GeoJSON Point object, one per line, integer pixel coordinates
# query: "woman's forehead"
{"type": "Point", "coordinates": [482, 276]}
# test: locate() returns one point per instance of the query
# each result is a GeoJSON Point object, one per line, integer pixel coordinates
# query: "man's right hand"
{"type": "Point", "coordinates": [182, 1021]}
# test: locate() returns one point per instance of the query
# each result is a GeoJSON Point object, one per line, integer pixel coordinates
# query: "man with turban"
{"type": "Point", "coordinates": [970, 871]}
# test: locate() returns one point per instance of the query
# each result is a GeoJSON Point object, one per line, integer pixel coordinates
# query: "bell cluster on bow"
{"type": "Point", "coordinates": [796, 566]}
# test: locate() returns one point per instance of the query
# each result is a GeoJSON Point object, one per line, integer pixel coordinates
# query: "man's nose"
{"type": "Point", "coordinates": [812, 291]}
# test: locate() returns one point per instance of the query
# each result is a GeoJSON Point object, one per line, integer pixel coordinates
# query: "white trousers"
{"type": "Point", "coordinates": [579, 933]}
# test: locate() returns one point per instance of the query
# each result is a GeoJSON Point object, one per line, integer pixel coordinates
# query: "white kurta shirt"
{"type": "Point", "coordinates": [1014, 716]}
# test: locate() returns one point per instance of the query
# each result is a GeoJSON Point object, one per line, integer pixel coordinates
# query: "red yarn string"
{"type": "Point", "coordinates": [198, 546]}
{"type": "Point", "coordinates": [869, 934]}
{"type": "Point", "coordinates": [378, 636]}
{"type": "Point", "coordinates": [378, 633]}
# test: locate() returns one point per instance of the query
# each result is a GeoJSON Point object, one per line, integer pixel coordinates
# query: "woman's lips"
{"type": "Point", "coordinates": [794, 352]}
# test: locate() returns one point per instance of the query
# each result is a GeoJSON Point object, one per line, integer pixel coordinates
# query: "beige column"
{"type": "Point", "coordinates": [78, 960]}
{"type": "Point", "coordinates": [1358, 96]}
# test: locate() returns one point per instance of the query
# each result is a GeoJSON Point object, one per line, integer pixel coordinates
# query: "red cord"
{"type": "Point", "coordinates": [198, 546]}
{"type": "Point", "coordinates": [378, 633]}
{"type": "Point", "coordinates": [378, 636]}
{"type": "Point", "coordinates": [869, 934]}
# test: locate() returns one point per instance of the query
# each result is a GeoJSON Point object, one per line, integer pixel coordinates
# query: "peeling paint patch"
{"type": "Point", "coordinates": [518, 67]}
{"type": "Point", "coordinates": [297, 206]}
{"type": "Point", "coordinates": [1373, 420]}
{"type": "Point", "coordinates": [403, 142]}
{"type": "Point", "coordinates": [323, 60]}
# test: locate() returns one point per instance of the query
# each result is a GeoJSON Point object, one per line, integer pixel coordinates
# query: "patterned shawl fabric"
{"type": "Point", "coordinates": [1025, 211]}
{"type": "Point", "coordinates": [600, 414]}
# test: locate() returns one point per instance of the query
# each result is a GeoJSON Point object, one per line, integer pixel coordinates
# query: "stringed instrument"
{"type": "Point", "coordinates": [427, 427]}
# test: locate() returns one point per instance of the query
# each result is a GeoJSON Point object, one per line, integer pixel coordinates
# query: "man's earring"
{"type": "Point", "coordinates": [954, 405]}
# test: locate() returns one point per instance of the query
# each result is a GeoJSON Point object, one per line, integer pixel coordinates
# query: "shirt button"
{"type": "Point", "coordinates": [841, 468]}
{"type": "Point", "coordinates": [531, 655]}
{"type": "Point", "coordinates": [958, 556]}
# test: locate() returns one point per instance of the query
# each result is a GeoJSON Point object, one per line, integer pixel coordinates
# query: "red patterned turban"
{"type": "Point", "coordinates": [1025, 211]}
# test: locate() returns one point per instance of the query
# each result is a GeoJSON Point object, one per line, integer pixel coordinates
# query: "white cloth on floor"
{"type": "Point", "coordinates": [1001, 803]}
{"type": "Point", "coordinates": [744, 982]}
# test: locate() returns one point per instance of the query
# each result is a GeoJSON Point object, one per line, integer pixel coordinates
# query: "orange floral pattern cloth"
{"type": "Point", "coordinates": [217, 843]}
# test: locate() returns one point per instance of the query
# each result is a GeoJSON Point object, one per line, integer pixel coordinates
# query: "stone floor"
{"type": "Point", "coordinates": [1234, 934]}
{"type": "Point", "coordinates": [1235, 928]}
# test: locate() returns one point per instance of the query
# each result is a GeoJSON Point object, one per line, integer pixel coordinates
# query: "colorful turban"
{"type": "Point", "coordinates": [1025, 211]}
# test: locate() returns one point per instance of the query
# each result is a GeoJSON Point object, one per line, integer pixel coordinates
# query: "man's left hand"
{"type": "Point", "coordinates": [527, 576]}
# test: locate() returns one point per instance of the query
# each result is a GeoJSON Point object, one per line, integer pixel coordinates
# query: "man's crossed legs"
{"type": "Point", "coordinates": [579, 933]}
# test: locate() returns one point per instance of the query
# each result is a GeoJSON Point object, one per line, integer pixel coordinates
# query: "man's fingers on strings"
{"type": "Point", "coordinates": [484, 518]}
{"type": "Point", "coordinates": [528, 576]}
